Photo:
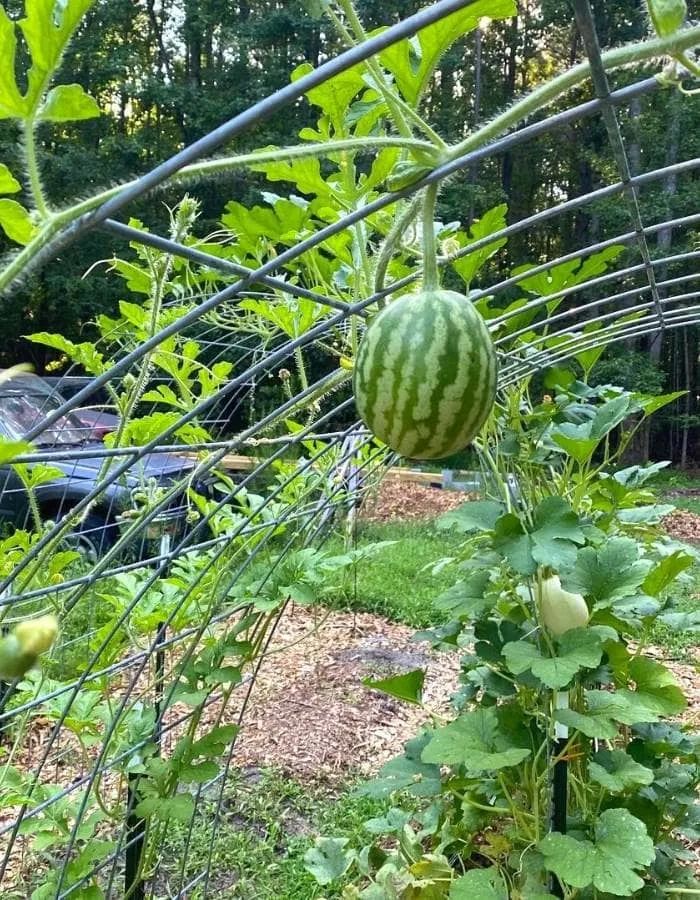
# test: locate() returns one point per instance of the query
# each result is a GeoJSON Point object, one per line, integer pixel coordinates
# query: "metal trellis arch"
{"type": "Point", "coordinates": [229, 525]}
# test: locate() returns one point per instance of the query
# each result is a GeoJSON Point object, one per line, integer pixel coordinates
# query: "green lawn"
{"type": "Point", "coordinates": [268, 822]}
{"type": "Point", "coordinates": [398, 582]}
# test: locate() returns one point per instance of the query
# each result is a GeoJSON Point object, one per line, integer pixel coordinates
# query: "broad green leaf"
{"type": "Point", "coordinates": [493, 220]}
{"type": "Point", "coordinates": [620, 846]}
{"type": "Point", "coordinates": [315, 8]}
{"type": "Point", "coordinates": [465, 599]}
{"type": "Point", "coordinates": [652, 404]}
{"type": "Point", "coordinates": [335, 95]}
{"type": "Point", "coordinates": [558, 377]}
{"type": "Point", "coordinates": [383, 164]}
{"type": "Point", "coordinates": [8, 182]}
{"type": "Point", "coordinates": [198, 773]}
{"type": "Point", "coordinates": [9, 450]}
{"type": "Point", "coordinates": [552, 542]}
{"type": "Point", "coordinates": [577, 649]}
{"type": "Point", "coordinates": [666, 571]}
{"type": "Point", "coordinates": [405, 773]}
{"type": "Point", "coordinates": [12, 103]}
{"type": "Point", "coordinates": [68, 103]}
{"type": "Point", "coordinates": [85, 354]}
{"type": "Point", "coordinates": [478, 515]}
{"type": "Point", "coordinates": [617, 772]}
{"type": "Point", "coordinates": [605, 574]}
{"type": "Point", "coordinates": [304, 172]}
{"type": "Point", "coordinates": [576, 440]}
{"type": "Point", "coordinates": [556, 534]}
{"type": "Point", "coordinates": [645, 515]}
{"type": "Point", "coordinates": [609, 415]}
{"type": "Point", "coordinates": [657, 685]}
{"type": "Point", "coordinates": [480, 884]}
{"type": "Point", "coordinates": [681, 621]}
{"type": "Point", "coordinates": [179, 807]}
{"type": "Point", "coordinates": [215, 742]}
{"type": "Point", "coordinates": [634, 476]}
{"type": "Point", "coordinates": [328, 860]}
{"type": "Point", "coordinates": [567, 274]}
{"type": "Point", "coordinates": [590, 724]}
{"type": "Point", "coordinates": [15, 221]}
{"type": "Point", "coordinates": [476, 741]}
{"type": "Point", "coordinates": [514, 544]}
{"type": "Point", "coordinates": [652, 740]}
{"type": "Point", "coordinates": [47, 27]}
{"type": "Point", "coordinates": [413, 61]}
{"type": "Point", "coordinates": [605, 710]}
{"type": "Point", "coordinates": [408, 687]}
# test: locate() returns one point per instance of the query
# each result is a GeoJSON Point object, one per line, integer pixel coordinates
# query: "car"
{"type": "Point", "coordinates": [25, 401]}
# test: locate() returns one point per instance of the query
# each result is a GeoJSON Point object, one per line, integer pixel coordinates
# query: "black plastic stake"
{"type": "Point", "coordinates": [135, 837]}
{"type": "Point", "coordinates": [559, 784]}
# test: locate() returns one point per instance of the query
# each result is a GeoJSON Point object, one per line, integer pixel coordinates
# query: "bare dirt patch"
{"type": "Point", "coordinates": [683, 525]}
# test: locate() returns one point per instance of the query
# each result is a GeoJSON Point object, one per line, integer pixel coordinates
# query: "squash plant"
{"type": "Point", "coordinates": [563, 576]}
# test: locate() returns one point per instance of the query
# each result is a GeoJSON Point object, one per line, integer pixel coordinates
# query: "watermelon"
{"type": "Point", "coordinates": [425, 374]}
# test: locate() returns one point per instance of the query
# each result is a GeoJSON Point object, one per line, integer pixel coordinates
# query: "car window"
{"type": "Point", "coordinates": [21, 413]}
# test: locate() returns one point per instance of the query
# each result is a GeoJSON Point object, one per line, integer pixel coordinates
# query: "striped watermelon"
{"type": "Point", "coordinates": [425, 374]}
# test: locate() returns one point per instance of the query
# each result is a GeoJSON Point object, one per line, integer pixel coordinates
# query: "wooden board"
{"type": "Point", "coordinates": [236, 463]}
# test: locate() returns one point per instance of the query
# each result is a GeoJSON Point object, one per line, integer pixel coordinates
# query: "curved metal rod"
{"type": "Point", "coordinates": [610, 335]}
{"type": "Point", "coordinates": [577, 310]}
{"type": "Point", "coordinates": [600, 279]}
{"type": "Point", "coordinates": [579, 327]}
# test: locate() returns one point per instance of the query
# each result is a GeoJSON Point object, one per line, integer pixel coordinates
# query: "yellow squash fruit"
{"type": "Point", "coordinates": [20, 649]}
{"type": "Point", "coordinates": [561, 610]}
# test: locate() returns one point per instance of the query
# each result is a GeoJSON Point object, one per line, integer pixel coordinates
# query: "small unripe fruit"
{"type": "Point", "coordinates": [20, 649]}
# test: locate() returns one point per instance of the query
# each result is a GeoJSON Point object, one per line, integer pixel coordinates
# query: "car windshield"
{"type": "Point", "coordinates": [19, 413]}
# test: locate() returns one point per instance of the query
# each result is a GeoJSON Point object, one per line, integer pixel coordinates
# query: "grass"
{"type": "Point", "coordinates": [267, 824]}
{"type": "Point", "coordinates": [676, 644]}
{"type": "Point", "coordinates": [692, 504]}
{"type": "Point", "coordinates": [397, 581]}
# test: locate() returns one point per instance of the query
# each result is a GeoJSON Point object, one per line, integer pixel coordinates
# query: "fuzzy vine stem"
{"type": "Point", "coordinates": [431, 280]}
{"type": "Point", "coordinates": [612, 59]}
{"type": "Point", "coordinates": [347, 7]}
{"type": "Point", "coordinates": [33, 170]}
{"type": "Point", "coordinates": [391, 241]}
{"type": "Point", "coordinates": [401, 110]}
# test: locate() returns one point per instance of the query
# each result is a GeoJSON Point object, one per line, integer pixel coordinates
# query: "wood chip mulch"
{"type": "Point", "coordinates": [397, 500]}
{"type": "Point", "coordinates": [683, 525]}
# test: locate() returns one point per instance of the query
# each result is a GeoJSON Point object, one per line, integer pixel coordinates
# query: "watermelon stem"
{"type": "Point", "coordinates": [431, 281]}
